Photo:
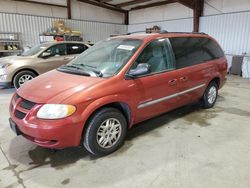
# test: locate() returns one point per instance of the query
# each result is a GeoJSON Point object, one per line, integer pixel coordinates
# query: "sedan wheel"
{"type": "Point", "coordinates": [22, 77]}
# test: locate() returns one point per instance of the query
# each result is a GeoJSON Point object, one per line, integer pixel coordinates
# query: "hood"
{"type": "Point", "coordinates": [55, 86]}
{"type": "Point", "coordinates": [14, 59]}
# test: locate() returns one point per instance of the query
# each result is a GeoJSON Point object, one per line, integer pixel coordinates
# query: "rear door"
{"type": "Point", "coordinates": [195, 63]}
{"type": "Point", "coordinates": [155, 90]}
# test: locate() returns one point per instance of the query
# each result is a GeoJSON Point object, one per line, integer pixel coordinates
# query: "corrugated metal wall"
{"type": "Point", "coordinates": [31, 26]}
{"type": "Point", "coordinates": [181, 25]}
{"type": "Point", "coordinates": [232, 31]}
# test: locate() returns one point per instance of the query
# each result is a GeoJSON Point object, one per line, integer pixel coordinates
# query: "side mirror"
{"type": "Point", "coordinates": [142, 68]}
{"type": "Point", "coordinates": [45, 55]}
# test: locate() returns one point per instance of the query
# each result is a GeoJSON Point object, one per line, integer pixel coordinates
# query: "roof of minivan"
{"type": "Point", "coordinates": [159, 35]}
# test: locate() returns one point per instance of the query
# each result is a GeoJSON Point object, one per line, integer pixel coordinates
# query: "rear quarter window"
{"type": "Point", "coordinates": [76, 48]}
{"type": "Point", "coordinates": [194, 50]}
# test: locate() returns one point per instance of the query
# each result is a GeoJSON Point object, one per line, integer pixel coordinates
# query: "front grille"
{"type": "Point", "coordinates": [24, 104]}
{"type": "Point", "coordinates": [19, 115]}
{"type": "Point", "coordinates": [27, 104]}
{"type": "Point", "coordinates": [16, 97]}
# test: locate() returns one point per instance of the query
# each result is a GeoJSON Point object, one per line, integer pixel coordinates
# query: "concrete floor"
{"type": "Point", "coordinates": [189, 147]}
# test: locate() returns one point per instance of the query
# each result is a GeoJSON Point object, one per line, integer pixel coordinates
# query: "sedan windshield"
{"type": "Point", "coordinates": [35, 50]}
{"type": "Point", "coordinates": [107, 57]}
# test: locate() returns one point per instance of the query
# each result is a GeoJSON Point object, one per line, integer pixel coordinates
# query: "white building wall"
{"type": "Point", "coordinates": [160, 13]}
{"type": "Point", "coordinates": [171, 17]}
{"type": "Point", "coordinates": [231, 30]}
{"type": "Point", "coordinates": [8, 6]}
{"type": "Point", "coordinates": [228, 21]}
{"type": "Point", "coordinates": [181, 25]}
{"type": "Point", "coordinates": [31, 26]}
{"type": "Point", "coordinates": [213, 7]}
{"type": "Point", "coordinates": [81, 11]}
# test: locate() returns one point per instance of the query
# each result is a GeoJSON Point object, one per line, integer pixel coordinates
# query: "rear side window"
{"type": "Point", "coordinates": [194, 50]}
{"type": "Point", "coordinates": [57, 50]}
{"type": "Point", "coordinates": [76, 48]}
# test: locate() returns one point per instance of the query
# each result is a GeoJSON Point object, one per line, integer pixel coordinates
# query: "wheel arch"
{"type": "Point", "coordinates": [217, 80]}
{"type": "Point", "coordinates": [23, 69]}
{"type": "Point", "coordinates": [123, 107]}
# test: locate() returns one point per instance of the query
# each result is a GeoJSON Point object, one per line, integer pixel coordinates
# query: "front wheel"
{"type": "Point", "coordinates": [210, 95]}
{"type": "Point", "coordinates": [23, 77]}
{"type": "Point", "coordinates": [105, 132]}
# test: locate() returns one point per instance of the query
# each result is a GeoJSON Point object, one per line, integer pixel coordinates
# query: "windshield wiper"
{"type": "Point", "coordinates": [70, 66]}
{"type": "Point", "coordinates": [76, 70]}
{"type": "Point", "coordinates": [89, 67]}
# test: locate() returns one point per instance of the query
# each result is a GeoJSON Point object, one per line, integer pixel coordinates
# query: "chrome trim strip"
{"type": "Point", "coordinates": [143, 105]}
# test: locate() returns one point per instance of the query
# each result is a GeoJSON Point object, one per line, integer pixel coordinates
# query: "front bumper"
{"type": "Point", "coordinates": [5, 80]}
{"type": "Point", "coordinates": [56, 134]}
{"type": "Point", "coordinates": [5, 84]}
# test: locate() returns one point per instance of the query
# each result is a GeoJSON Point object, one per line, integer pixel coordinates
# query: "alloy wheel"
{"type": "Point", "coordinates": [109, 133]}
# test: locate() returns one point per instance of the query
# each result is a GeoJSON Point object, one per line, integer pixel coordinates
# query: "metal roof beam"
{"type": "Point", "coordinates": [41, 3]}
{"type": "Point", "coordinates": [132, 3]}
{"type": "Point", "coordinates": [103, 5]}
{"type": "Point", "coordinates": [154, 4]}
{"type": "Point", "coordinates": [187, 3]}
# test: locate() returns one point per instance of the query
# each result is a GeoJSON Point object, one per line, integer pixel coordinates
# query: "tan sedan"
{"type": "Point", "coordinates": [16, 70]}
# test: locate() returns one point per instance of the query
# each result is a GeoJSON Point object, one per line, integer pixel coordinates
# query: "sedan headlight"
{"type": "Point", "coordinates": [2, 71]}
{"type": "Point", "coordinates": [5, 65]}
{"type": "Point", "coordinates": [55, 111]}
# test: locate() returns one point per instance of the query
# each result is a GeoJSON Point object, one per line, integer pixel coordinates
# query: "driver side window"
{"type": "Point", "coordinates": [57, 50]}
{"type": "Point", "coordinates": [157, 55]}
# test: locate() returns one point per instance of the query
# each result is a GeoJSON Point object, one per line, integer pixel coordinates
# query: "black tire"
{"type": "Point", "coordinates": [207, 102]}
{"type": "Point", "coordinates": [21, 75]}
{"type": "Point", "coordinates": [90, 137]}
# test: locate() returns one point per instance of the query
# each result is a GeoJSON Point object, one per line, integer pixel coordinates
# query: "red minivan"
{"type": "Point", "coordinates": [115, 84]}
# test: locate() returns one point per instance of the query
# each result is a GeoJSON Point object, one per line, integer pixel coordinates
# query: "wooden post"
{"type": "Point", "coordinates": [197, 13]}
{"type": "Point", "coordinates": [126, 18]}
{"type": "Point", "coordinates": [69, 8]}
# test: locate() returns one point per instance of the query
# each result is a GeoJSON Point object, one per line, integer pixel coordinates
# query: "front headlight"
{"type": "Point", "coordinates": [3, 77]}
{"type": "Point", "coordinates": [55, 111]}
{"type": "Point", "coordinates": [5, 65]}
{"type": "Point", "coordinates": [2, 71]}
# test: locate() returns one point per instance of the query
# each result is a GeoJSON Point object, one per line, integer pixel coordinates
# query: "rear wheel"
{"type": "Point", "coordinates": [210, 95]}
{"type": "Point", "coordinates": [22, 77]}
{"type": "Point", "coordinates": [105, 132]}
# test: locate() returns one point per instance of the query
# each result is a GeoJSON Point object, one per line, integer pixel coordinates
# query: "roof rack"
{"type": "Point", "coordinates": [165, 32]}
{"type": "Point", "coordinates": [135, 32]}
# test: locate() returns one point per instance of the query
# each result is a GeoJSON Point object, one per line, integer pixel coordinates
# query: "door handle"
{"type": "Point", "coordinates": [172, 82]}
{"type": "Point", "coordinates": [183, 79]}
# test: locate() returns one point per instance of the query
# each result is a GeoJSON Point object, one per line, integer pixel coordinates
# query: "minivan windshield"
{"type": "Point", "coordinates": [35, 50]}
{"type": "Point", "coordinates": [106, 57]}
